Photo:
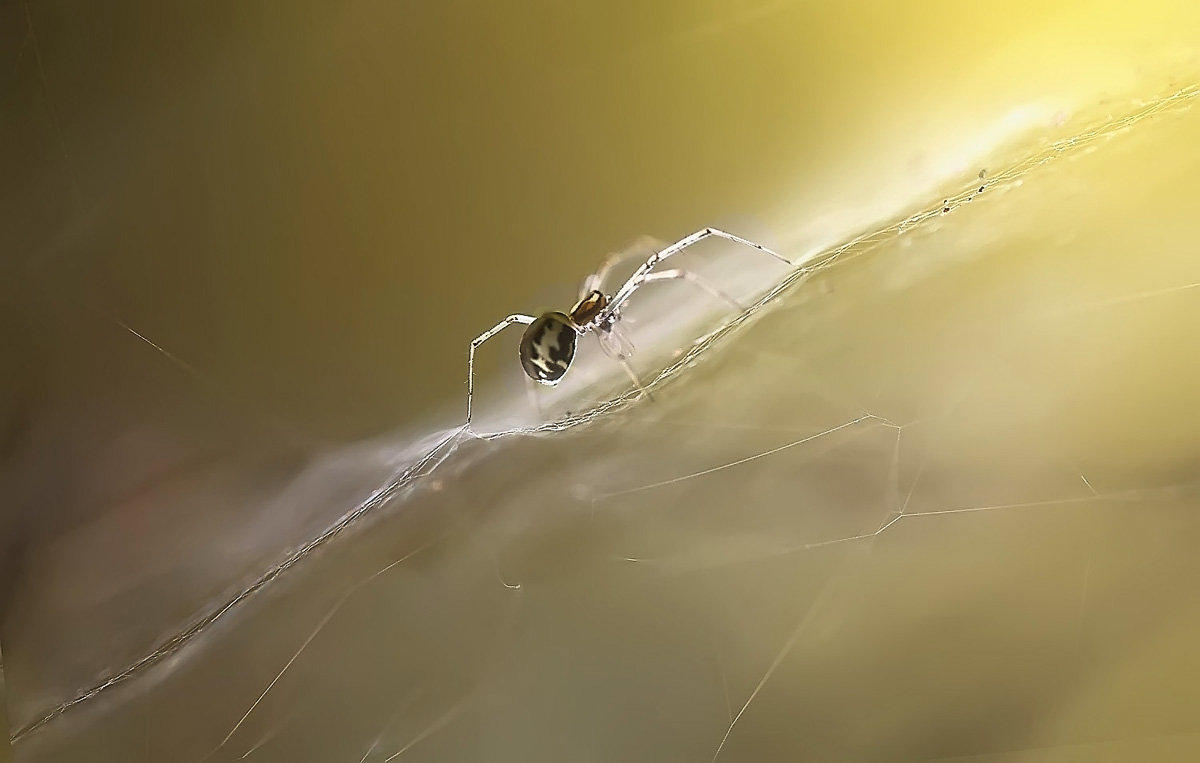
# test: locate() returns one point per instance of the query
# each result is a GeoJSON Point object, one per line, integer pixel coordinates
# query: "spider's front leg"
{"type": "Point", "coordinates": [639, 275]}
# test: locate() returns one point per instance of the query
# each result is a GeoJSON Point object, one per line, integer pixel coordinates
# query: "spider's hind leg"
{"type": "Point", "coordinates": [634, 378]}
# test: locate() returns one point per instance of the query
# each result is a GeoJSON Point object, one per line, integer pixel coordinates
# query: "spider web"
{"type": "Point", "coordinates": [705, 576]}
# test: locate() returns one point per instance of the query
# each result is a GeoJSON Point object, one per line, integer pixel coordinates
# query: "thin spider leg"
{"type": "Point", "coordinates": [618, 347]}
{"type": "Point", "coordinates": [639, 275]}
{"type": "Point", "coordinates": [640, 246]}
{"type": "Point", "coordinates": [690, 277]}
{"type": "Point", "coordinates": [510, 320]}
{"type": "Point", "coordinates": [633, 377]}
{"type": "Point", "coordinates": [594, 281]}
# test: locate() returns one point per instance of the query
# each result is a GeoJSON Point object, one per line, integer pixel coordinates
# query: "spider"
{"type": "Point", "coordinates": [548, 344]}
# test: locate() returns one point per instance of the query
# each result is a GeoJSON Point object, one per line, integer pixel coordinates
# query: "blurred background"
{"type": "Point", "coordinates": [245, 248]}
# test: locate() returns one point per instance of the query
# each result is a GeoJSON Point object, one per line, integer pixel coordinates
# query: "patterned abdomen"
{"type": "Point", "coordinates": [547, 348]}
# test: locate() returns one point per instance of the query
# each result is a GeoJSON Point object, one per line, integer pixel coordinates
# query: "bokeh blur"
{"type": "Point", "coordinates": [246, 245]}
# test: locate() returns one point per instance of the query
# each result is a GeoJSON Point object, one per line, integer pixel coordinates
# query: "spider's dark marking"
{"type": "Point", "coordinates": [588, 307]}
{"type": "Point", "coordinates": [548, 347]}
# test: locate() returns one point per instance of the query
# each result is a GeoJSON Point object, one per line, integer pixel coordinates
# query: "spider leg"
{"type": "Point", "coordinates": [510, 320]}
{"type": "Point", "coordinates": [618, 347]}
{"type": "Point", "coordinates": [690, 277]}
{"type": "Point", "coordinates": [639, 275]}
{"type": "Point", "coordinates": [633, 377]}
{"type": "Point", "coordinates": [642, 245]}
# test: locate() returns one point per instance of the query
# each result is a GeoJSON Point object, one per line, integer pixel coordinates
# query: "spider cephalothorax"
{"type": "Point", "coordinates": [589, 306]}
{"type": "Point", "coordinates": [548, 344]}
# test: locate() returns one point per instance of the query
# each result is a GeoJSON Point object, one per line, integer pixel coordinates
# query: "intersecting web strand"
{"type": "Point", "coordinates": [391, 721]}
{"type": "Point", "coordinates": [790, 643]}
{"type": "Point", "coordinates": [307, 641]}
{"type": "Point", "coordinates": [780, 656]}
{"type": "Point", "coordinates": [456, 707]}
{"type": "Point", "coordinates": [1092, 496]}
{"type": "Point", "coordinates": [448, 444]}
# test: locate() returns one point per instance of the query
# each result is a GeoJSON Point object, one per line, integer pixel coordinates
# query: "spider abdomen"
{"type": "Point", "coordinates": [548, 347]}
